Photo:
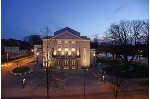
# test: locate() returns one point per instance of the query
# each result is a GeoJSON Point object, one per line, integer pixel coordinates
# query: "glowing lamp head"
{"type": "Point", "coordinates": [94, 54]}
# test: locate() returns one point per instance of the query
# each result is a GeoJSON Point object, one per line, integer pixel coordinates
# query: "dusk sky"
{"type": "Point", "coordinates": [21, 18]}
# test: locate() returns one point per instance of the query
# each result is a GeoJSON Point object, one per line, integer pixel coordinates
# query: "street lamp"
{"type": "Point", "coordinates": [94, 61]}
{"type": "Point", "coordinates": [84, 80]}
{"type": "Point", "coordinates": [94, 54]}
{"type": "Point", "coordinates": [32, 51]}
{"type": "Point", "coordinates": [37, 54]}
{"type": "Point", "coordinates": [103, 79]}
{"type": "Point", "coordinates": [7, 58]}
{"type": "Point", "coordinates": [37, 60]}
{"type": "Point", "coordinates": [84, 83]}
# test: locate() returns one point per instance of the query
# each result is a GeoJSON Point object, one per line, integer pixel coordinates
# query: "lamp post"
{"type": "Point", "coordinates": [37, 60]}
{"type": "Point", "coordinates": [94, 61]}
{"type": "Point", "coordinates": [32, 51]}
{"type": "Point", "coordinates": [7, 58]}
{"type": "Point", "coordinates": [84, 83]}
{"type": "Point", "coordinates": [33, 54]}
{"type": "Point", "coordinates": [103, 79]}
{"type": "Point", "coordinates": [84, 80]}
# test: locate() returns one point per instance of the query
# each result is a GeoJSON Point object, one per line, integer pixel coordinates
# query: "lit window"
{"type": "Point", "coordinates": [66, 49]}
{"type": "Point", "coordinates": [59, 42]}
{"type": "Point", "coordinates": [73, 63]}
{"type": "Point", "coordinates": [72, 53]}
{"type": "Point", "coordinates": [58, 63]}
{"type": "Point", "coordinates": [66, 53]}
{"type": "Point", "coordinates": [66, 63]}
{"type": "Point", "coordinates": [73, 42]}
{"type": "Point", "coordinates": [73, 49]}
{"type": "Point", "coordinates": [66, 42]}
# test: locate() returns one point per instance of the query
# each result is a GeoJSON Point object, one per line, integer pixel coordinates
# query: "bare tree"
{"type": "Point", "coordinates": [145, 38]}
{"type": "Point", "coordinates": [125, 36]}
{"type": "Point", "coordinates": [48, 76]}
{"type": "Point", "coordinates": [95, 43]}
{"type": "Point", "coordinates": [104, 44]}
{"type": "Point", "coordinates": [145, 31]}
{"type": "Point", "coordinates": [122, 38]}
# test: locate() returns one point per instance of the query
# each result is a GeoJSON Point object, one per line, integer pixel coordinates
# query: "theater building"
{"type": "Point", "coordinates": [68, 48]}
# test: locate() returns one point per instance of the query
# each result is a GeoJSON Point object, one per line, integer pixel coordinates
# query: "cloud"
{"type": "Point", "coordinates": [120, 7]}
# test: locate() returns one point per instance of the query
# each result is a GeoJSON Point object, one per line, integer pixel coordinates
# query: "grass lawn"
{"type": "Point", "coordinates": [104, 61]}
{"type": "Point", "coordinates": [114, 69]}
{"type": "Point", "coordinates": [139, 71]}
{"type": "Point", "coordinates": [21, 69]}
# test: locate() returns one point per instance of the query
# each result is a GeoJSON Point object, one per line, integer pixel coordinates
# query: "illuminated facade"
{"type": "Point", "coordinates": [68, 48]}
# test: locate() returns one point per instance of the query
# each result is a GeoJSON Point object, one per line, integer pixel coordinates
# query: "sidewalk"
{"type": "Point", "coordinates": [10, 62]}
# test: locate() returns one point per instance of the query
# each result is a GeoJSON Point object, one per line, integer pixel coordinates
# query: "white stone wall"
{"type": "Point", "coordinates": [85, 44]}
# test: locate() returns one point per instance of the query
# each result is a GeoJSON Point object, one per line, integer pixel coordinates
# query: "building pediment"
{"type": "Point", "coordinates": [66, 35]}
{"type": "Point", "coordinates": [67, 29]}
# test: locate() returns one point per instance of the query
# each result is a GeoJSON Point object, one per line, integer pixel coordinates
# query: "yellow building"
{"type": "Point", "coordinates": [68, 48]}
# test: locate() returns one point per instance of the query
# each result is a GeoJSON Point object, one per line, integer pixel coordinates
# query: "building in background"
{"type": "Point", "coordinates": [38, 51]}
{"type": "Point", "coordinates": [10, 48]}
{"type": "Point", "coordinates": [14, 48]}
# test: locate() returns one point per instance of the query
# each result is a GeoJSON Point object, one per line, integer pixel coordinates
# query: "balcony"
{"type": "Point", "coordinates": [66, 56]}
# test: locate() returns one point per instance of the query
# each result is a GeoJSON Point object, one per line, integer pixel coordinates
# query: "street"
{"type": "Point", "coordinates": [11, 86]}
{"type": "Point", "coordinates": [16, 63]}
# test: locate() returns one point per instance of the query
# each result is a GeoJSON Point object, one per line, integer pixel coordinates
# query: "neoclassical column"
{"type": "Point", "coordinates": [69, 64]}
{"type": "Point", "coordinates": [62, 65]}
{"type": "Point", "coordinates": [76, 63]}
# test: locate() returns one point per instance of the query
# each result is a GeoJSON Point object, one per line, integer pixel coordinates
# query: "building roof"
{"type": "Point", "coordinates": [84, 37]}
{"type": "Point", "coordinates": [59, 32]}
{"type": "Point", "coordinates": [10, 43]}
{"type": "Point", "coordinates": [67, 29]}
